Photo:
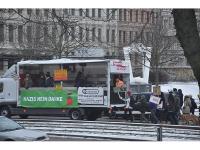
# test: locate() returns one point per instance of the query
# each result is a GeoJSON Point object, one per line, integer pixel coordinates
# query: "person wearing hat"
{"type": "Point", "coordinates": [28, 81]}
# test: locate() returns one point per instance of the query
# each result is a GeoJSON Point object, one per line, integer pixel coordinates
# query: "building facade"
{"type": "Point", "coordinates": [49, 33]}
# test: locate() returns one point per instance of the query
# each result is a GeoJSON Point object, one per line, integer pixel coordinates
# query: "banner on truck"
{"type": "Point", "coordinates": [48, 98]}
{"type": "Point", "coordinates": [118, 66]}
{"type": "Point", "coordinates": [90, 95]}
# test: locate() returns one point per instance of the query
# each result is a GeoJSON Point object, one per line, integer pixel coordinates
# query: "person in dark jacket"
{"type": "Point", "coordinates": [181, 97]}
{"type": "Point", "coordinates": [42, 79]}
{"type": "Point", "coordinates": [49, 80]}
{"type": "Point", "coordinates": [153, 107]}
{"type": "Point", "coordinates": [172, 115]}
{"type": "Point", "coordinates": [193, 105]}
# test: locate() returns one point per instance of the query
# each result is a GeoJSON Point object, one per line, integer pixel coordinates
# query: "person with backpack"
{"type": "Point", "coordinates": [172, 109]}
{"type": "Point", "coordinates": [193, 105]}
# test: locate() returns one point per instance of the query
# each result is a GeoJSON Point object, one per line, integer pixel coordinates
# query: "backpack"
{"type": "Point", "coordinates": [194, 105]}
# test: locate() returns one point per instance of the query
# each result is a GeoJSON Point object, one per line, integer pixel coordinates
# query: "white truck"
{"type": "Point", "coordinates": [24, 90]}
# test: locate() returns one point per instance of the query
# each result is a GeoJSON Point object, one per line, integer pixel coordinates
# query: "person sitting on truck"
{"type": "Point", "coordinates": [42, 79]}
{"type": "Point", "coordinates": [49, 80]}
{"type": "Point", "coordinates": [79, 80]}
{"type": "Point", "coordinates": [28, 81]}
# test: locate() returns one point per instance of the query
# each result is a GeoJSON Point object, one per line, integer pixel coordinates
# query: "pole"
{"type": "Point", "coordinates": [159, 133]}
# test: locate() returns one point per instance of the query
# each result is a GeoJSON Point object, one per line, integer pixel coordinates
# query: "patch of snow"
{"type": "Point", "coordinates": [188, 88]}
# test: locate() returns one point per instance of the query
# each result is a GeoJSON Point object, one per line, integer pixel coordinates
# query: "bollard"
{"type": "Point", "coordinates": [159, 134]}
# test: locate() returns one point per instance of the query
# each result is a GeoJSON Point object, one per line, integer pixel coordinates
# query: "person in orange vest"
{"type": "Point", "coordinates": [119, 83]}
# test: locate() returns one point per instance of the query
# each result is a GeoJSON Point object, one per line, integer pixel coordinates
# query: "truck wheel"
{"type": "Point", "coordinates": [23, 116]}
{"type": "Point", "coordinates": [75, 114]}
{"type": "Point", "coordinates": [5, 111]}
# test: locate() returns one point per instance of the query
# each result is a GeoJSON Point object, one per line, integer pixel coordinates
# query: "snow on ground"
{"type": "Point", "coordinates": [188, 88]}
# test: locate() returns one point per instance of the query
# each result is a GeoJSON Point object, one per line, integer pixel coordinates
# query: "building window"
{"type": "Point", "coordinates": [87, 35]}
{"type": "Point", "coordinates": [46, 13]}
{"type": "Point", "coordinates": [93, 34]}
{"type": "Point", "coordinates": [72, 33]}
{"type": "Point", "coordinates": [113, 36]}
{"type": "Point", "coordinates": [136, 59]}
{"type": "Point", "coordinates": [1, 85]}
{"type": "Point", "coordinates": [80, 33]}
{"type": "Point", "coordinates": [20, 34]}
{"type": "Point", "coordinates": [107, 14]}
{"type": "Point", "coordinates": [99, 35]}
{"type": "Point", "coordinates": [142, 16]}
{"type": "Point", "coordinates": [99, 13]}
{"type": "Point", "coordinates": [131, 15]}
{"type": "Point", "coordinates": [120, 36]}
{"type": "Point", "coordinates": [1, 32]}
{"type": "Point", "coordinates": [120, 14]}
{"type": "Point", "coordinates": [124, 36]}
{"type": "Point", "coordinates": [124, 14]}
{"type": "Point", "coordinates": [87, 12]}
{"type": "Point", "coordinates": [10, 11]}
{"type": "Point", "coordinates": [37, 12]}
{"type": "Point", "coordinates": [130, 37]}
{"type": "Point", "coordinates": [113, 13]}
{"type": "Point", "coordinates": [93, 13]}
{"type": "Point", "coordinates": [66, 11]}
{"type": "Point", "coordinates": [19, 11]}
{"type": "Point", "coordinates": [152, 18]}
{"type": "Point", "coordinates": [66, 34]}
{"type": "Point", "coordinates": [11, 34]}
{"type": "Point", "coordinates": [38, 30]}
{"type": "Point", "coordinates": [54, 35]}
{"type": "Point", "coordinates": [72, 12]}
{"type": "Point", "coordinates": [136, 15]}
{"type": "Point", "coordinates": [1, 64]}
{"type": "Point", "coordinates": [29, 12]}
{"type": "Point", "coordinates": [107, 35]}
{"type": "Point", "coordinates": [148, 17]}
{"type": "Point", "coordinates": [45, 35]}
{"type": "Point", "coordinates": [53, 12]}
{"type": "Point", "coordinates": [29, 34]}
{"type": "Point", "coordinates": [81, 12]}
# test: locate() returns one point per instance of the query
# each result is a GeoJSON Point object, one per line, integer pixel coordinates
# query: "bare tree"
{"type": "Point", "coordinates": [186, 30]}
{"type": "Point", "coordinates": [162, 52]}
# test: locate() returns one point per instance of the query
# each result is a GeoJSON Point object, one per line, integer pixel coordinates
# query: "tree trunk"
{"type": "Point", "coordinates": [186, 31]}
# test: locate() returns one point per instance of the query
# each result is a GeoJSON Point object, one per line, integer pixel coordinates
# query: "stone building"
{"type": "Point", "coordinates": [49, 33]}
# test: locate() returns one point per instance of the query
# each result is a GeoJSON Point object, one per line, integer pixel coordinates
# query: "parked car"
{"type": "Point", "coordinates": [12, 131]}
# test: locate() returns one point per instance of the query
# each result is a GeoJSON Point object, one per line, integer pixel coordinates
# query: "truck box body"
{"type": "Point", "coordinates": [92, 89]}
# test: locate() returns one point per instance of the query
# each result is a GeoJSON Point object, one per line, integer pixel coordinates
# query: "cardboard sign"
{"type": "Point", "coordinates": [90, 95]}
{"type": "Point", "coordinates": [156, 90]}
{"type": "Point", "coordinates": [154, 99]}
{"type": "Point", "coordinates": [60, 75]}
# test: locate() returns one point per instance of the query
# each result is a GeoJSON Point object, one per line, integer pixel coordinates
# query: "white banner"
{"type": "Point", "coordinates": [90, 95]}
{"type": "Point", "coordinates": [118, 66]}
{"type": "Point", "coordinates": [154, 99]}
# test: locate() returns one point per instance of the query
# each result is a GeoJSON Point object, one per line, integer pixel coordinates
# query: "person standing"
{"type": "Point", "coordinates": [193, 105]}
{"type": "Point", "coordinates": [28, 81]}
{"type": "Point", "coordinates": [187, 105]}
{"type": "Point", "coordinates": [153, 107]}
{"type": "Point", "coordinates": [180, 93]}
{"type": "Point", "coordinates": [49, 80]}
{"type": "Point", "coordinates": [172, 115]}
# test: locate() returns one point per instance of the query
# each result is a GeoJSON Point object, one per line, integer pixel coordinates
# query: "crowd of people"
{"type": "Point", "coordinates": [43, 80]}
{"type": "Point", "coordinates": [171, 105]}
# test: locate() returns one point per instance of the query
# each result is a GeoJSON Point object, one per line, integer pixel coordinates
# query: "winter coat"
{"type": "Point", "coordinates": [187, 106]}
{"type": "Point", "coordinates": [171, 103]}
